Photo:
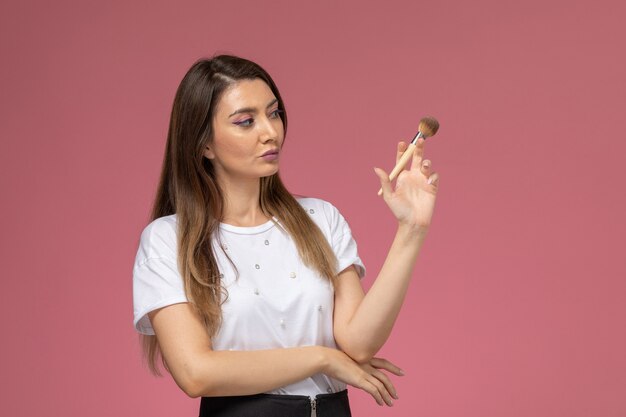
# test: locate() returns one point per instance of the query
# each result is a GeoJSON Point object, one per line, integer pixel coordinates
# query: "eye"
{"type": "Point", "coordinates": [276, 113]}
{"type": "Point", "coordinates": [244, 123]}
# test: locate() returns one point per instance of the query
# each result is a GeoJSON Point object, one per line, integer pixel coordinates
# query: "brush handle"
{"type": "Point", "coordinates": [408, 154]}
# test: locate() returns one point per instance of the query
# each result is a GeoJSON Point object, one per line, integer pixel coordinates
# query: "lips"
{"type": "Point", "coordinates": [271, 152]}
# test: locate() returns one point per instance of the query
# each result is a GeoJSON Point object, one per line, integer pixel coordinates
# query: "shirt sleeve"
{"type": "Point", "coordinates": [156, 279]}
{"type": "Point", "coordinates": [342, 242]}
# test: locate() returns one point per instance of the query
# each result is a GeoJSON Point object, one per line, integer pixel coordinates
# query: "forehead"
{"type": "Point", "coordinates": [245, 93]}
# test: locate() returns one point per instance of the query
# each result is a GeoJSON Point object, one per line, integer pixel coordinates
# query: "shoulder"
{"type": "Point", "coordinates": [158, 239]}
{"type": "Point", "coordinates": [161, 226]}
{"type": "Point", "coordinates": [323, 213]}
{"type": "Point", "coordinates": [314, 205]}
{"type": "Point", "coordinates": [336, 230]}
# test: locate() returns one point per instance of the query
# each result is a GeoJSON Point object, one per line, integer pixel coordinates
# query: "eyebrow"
{"type": "Point", "coordinates": [252, 109]}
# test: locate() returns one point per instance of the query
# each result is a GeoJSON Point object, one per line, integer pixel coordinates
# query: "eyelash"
{"type": "Point", "coordinates": [242, 123]}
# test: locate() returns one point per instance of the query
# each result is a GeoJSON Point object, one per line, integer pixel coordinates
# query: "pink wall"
{"type": "Point", "coordinates": [518, 303]}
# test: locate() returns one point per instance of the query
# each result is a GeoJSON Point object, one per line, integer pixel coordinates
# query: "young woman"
{"type": "Point", "coordinates": [251, 296]}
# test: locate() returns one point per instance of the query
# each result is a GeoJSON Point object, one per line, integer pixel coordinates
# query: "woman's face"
{"type": "Point", "coordinates": [246, 126]}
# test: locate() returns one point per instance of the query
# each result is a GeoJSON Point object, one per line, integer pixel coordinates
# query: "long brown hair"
{"type": "Point", "coordinates": [188, 188]}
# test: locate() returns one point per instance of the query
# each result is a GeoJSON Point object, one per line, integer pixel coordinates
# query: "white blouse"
{"type": "Point", "coordinates": [276, 302]}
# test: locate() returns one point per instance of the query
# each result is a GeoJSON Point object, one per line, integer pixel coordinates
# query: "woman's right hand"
{"type": "Point", "coordinates": [367, 376]}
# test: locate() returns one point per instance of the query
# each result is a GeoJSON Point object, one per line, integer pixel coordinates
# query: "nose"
{"type": "Point", "coordinates": [268, 131]}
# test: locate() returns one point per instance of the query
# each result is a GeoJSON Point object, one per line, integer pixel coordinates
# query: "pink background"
{"type": "Point", "coordinates": [518, 304]}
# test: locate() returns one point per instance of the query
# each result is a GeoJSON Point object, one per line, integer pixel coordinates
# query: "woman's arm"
{"type": "Point", "coordinates": [362, 323]}
{"type": "Point", "coordinates": [200, 371]}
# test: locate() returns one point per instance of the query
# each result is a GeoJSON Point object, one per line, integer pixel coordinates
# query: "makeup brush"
{"type": "Point", "coordinates": [428, 127]}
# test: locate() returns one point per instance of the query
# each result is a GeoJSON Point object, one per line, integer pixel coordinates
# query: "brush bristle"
{"type": "Point", "coordinates": [429, 126]}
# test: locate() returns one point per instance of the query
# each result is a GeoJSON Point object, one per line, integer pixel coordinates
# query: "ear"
{"type": "Point", "coordinates": [208, 153]}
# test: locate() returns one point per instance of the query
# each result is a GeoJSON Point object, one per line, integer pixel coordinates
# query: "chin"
{"type": "Point", "coordinates": [270, 173]}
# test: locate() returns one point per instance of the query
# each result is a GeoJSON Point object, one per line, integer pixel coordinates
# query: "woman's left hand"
{"type": "Point", "coordinates": [413, 200]}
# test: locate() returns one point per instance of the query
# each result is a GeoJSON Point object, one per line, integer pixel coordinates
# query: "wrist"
{"type": "Point", "coordinates": [322, 358]}
{"type": "Point", "coordinates": [412, 232]}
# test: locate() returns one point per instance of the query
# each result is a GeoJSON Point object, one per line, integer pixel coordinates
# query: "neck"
{"type": "Point", "coordinates": [241, 202]}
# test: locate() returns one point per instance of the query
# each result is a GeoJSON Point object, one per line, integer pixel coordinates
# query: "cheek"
{"type": "Point", "coordinates": [231, 151]}
{"type": "Point", "coordinates": [225, 142]}
{"type": "Point", "coordinates": [281, 131]}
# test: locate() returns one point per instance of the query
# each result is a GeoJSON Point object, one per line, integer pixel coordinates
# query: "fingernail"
{"type": "Point", "coordinates": [430, 180]}
{"type": "Point", "coordinates": [401, 372]}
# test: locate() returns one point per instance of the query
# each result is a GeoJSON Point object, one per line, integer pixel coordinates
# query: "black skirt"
{"type": "Point", "coordinates": [273, 405]}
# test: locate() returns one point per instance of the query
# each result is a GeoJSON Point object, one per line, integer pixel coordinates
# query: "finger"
{"type": "Point", "coordinates": [401, 149]}
{"type": "Point", "coordinates": [391, 389]}
{"type": "Point", "coordinates": [426, 167]}
{"type": "Point", "coordinates": [433, 179]}
{"type": "Point", "coordinates": [370, 388]}
{"type": "Point", "coordinates": [385, 182]}
{"type": "Point", "coordinates": [386, 396]}
{"type": "Point", "coordinates": [418, 154]}
{"type": "Point", "coordinates": [381, 363]}
{"type": "Point", "coordinates": [402, 163]}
